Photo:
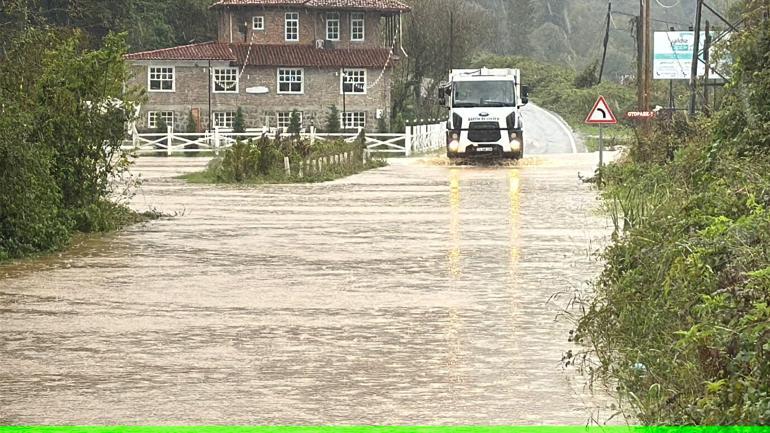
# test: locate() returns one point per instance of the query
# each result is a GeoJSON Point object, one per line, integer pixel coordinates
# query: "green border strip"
{"type": "Point", "coordinates": [363, 429]}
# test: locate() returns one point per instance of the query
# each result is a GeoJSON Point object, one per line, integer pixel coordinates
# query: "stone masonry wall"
{"type": "Point", "coordinates": [321, 90]}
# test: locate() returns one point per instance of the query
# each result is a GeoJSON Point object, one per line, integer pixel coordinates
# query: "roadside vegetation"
{"type": "Point", "coordinates": [288, 159]}
{"type": "Point", "coordinates": [61, 125]}
{"type": "Point", "coordinates": [681, 314]}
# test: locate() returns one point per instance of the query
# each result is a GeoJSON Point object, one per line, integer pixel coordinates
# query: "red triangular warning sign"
{"type": "Point", "coordinates": [601, 113]}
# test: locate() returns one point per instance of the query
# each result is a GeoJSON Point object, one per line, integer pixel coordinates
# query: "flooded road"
{"type": "Point", "coordinates": [416, 294]}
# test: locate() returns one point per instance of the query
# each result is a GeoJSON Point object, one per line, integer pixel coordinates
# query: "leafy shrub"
{"type": "Point", "coordinates": [240, 162]}
{"type": "Point", "coordinates": [61, 127]}
{"type": "Point", "coordinates": [589, 77]}
{"type": "Point", "coordinates": [239, 122]}
{"type": "Point", "coordinates": [294, 123]}
{"type": "Point", "coordinates": [681, 314]}
{"type": "Point", "coordinates": [333, 120]}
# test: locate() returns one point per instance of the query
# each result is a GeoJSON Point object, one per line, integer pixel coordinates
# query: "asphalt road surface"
{"type": "Point", "coordinates": [416, 294]}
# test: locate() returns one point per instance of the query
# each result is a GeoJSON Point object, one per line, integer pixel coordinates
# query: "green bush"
{"type": "Point", "coordinates": [239, 122]}
{"type": "Point", "coordinates": [680, 320]}
{"type": "Point", "coordinates": [295, 125]}
{"type": "Point", "coordinates": [333, 120]}
{"type": "Point", "coordinates": [61, 126]}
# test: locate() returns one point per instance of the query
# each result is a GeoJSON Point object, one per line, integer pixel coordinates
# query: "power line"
{"type": "Point", "coordinates": [651, 19]}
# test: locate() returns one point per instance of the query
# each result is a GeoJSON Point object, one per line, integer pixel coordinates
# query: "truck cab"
{"type": "Point", "coordinates": [484, 113]}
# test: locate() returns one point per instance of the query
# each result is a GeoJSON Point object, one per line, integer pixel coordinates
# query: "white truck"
{"type": "Point", "coordinates": [484, 113]}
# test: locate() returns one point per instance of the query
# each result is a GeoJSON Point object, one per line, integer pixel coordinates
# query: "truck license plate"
{"type": "Point", "coordinates": [484, 149]}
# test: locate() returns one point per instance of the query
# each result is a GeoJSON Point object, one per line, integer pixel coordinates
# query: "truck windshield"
{"type": "Point", "coordinates": [484, 94]}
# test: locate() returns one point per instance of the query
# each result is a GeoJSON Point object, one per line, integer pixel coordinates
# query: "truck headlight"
{"type": "Point", "coordinates": [516, 145]}
{"type": "Point", "coordinates": [514, 135]}
{"type": "Point", "coordinates": [454, 146]}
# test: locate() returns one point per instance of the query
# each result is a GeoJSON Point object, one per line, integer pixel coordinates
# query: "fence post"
{"type": "Point", "coordinates": [287, 165]}
{"type": "Point", "coordinates": [169, 137]}
{"type": "Point", "coordinates": [301, 171]}
{"type": "Point", "coordinates": [216, 140]}
{"type": "Point", "coordinates": [407, 140]}
{"type": "Point", "coordinates": [312, 136]}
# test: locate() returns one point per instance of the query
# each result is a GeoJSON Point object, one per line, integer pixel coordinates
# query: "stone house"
{"type": "Point", "coordinates": [275, 56]}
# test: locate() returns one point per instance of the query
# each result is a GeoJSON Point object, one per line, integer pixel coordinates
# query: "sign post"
{"type": "Point", "coordinates": [601, 115]}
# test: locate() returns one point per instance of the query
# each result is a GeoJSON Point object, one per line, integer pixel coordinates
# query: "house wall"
{"type": "Point", "coordinates": [321, 90]}
{"type": "Point", "coordinates": [312, 27]}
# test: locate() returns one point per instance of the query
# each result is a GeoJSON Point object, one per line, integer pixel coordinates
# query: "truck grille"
{"type": "Point", "coordinates": [484, 132]}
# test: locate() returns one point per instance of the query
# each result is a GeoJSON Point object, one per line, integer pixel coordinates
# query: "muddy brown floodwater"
{"type": "Point", "coordinates": [415, 294]}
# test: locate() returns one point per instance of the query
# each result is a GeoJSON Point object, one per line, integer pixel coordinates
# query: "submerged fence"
{"type": "Point", "coordinates": [416, 139]}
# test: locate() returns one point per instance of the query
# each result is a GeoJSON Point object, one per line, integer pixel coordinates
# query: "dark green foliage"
{"type": "Point", "coordinates": [294, 123]}
{"type": "Point", "coordinates": [61, 126]}
{"type": "Point", "coordinates": [333, 120]}
{"type": "Point", "coordinates": [239, 163]}
{"type": "Point", "coordinates": [589, 77]}
{"type": "Point", "coordinates": [149, 24]}
{"type": "Point", "coordinates": [744, 121]}
{"type": "Point", "coordinates": [239, 122]}
{"type": "Point", "coordinates": [681, 315]}
{"type": "Point", "coordinates": [31, 214]}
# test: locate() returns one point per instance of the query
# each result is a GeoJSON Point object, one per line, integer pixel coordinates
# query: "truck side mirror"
{"type": "Point", "coordinates": [525, 95]}
{"type": "Point", "coordinates": [441, 96]}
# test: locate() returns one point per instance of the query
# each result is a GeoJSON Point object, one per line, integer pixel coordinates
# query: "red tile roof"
{"type": "Point", "coordinates": [373, 5]}
{"type": "Point", "coordinates": [204, 51]}
{"type": "Point", "coordinates": [272, 55]}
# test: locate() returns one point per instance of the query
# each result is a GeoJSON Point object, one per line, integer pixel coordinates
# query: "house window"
{"type": "Point", "coordinates": [153, 118]}
{"type": "Point", "coordinates": [258, 23]}
{"type": "Point", "coordinates": [353, 81]}
{"type": "Point", "coordinates": [225, 80]}
{"type": "Point", "coordinates": [224, 119]}
{"type": "Point", "coordinates": [161, 78]}
{"type": "Point", "coordinates": [353, 120]}
{"type": "Point", "coordinates": [284, 118]}
{"type": "Point", "coordinates": [290, 81]}
{"type": "Point", "coordinates": [333, 26]}
{"type": "Point", "coordinates": [357, 30]}
{"type": "Point", "coordinates": [292, 26]}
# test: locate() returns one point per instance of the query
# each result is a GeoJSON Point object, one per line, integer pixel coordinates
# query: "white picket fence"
{"type": "Point", "coordinates": [417, 138]}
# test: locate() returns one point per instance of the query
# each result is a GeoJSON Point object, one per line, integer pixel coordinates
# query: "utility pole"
{"type": "Point", "coordinates": [647, 54]}
{"type": "Point", "coordinates": [639, 62]}
{"type": "Point", "coordinates": [695, 58]}
{"type": "Point", "coordinates": [707, 61]}
{"type": "Point", "coordinates": [451, 39]}
{"type": "Point", "coordinates": [644, 55]}
{"type": "Point", "coordinates": [606, 40]}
